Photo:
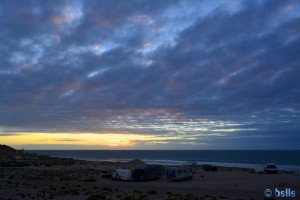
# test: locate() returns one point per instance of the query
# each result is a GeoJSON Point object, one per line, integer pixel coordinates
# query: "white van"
{"type": "Point", "coordinates": [122, 174]}
{"type": "Point", "coordinates": [179, 173]}
{"type": "Point", "coordinates": [259, 168]}
{"type": "Point", "coordinates": [271, 168]}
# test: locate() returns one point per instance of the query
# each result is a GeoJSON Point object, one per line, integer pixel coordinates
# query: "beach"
{"type": "Point", "coordinates": [83, 180]}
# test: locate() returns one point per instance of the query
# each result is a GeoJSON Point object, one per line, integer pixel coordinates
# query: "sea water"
{"type": "Point", "coordinates": [285, 159]}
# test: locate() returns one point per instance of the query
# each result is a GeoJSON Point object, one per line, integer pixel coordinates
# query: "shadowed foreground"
{"type": "Point", "coordinates": [83, 180]}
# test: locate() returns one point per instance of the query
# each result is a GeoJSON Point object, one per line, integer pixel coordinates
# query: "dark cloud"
{"type": "Point", "coordinates": [90, 66]}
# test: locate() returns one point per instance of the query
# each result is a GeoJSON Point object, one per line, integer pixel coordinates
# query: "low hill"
{"type": "Point", "coordinates": [4, 149]}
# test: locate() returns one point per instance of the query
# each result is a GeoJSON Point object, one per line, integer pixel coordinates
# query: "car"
{"type": "Point", "coordinates": [271, 168]}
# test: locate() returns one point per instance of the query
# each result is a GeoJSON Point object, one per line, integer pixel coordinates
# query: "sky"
{"type": "Point", "coordinates": [141, 74]}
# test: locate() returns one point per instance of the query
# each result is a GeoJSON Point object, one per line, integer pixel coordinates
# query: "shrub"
{"type": "Point", "coordinates": [152, 192]}
{"type": "Point", "coordinates": [128, 198]}
{"type": "Point", "coordinates": [96, 197]}
{"type": "Point", "coordinates": [72, 192]}
{"type": "Point", "coordinates": [90, 180]}
{"type": "Point", "coordinates": [108, 189]}
{"type": "Point", "coordinates": [143, 196]}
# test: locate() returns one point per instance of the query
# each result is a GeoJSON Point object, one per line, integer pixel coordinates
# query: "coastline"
{"type": "Point", "coordinates": [250, 166]}
{"type": "Point", "coordinates": [283, 166]}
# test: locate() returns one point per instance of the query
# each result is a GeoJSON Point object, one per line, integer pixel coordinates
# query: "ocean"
{"type": "Point", "coordinates": [285, 159]}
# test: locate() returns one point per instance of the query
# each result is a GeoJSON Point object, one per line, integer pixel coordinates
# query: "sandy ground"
{"type": "Point", "coordinates": [86, 182]}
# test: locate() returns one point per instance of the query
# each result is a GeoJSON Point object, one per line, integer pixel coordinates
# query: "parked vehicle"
{"type": "Point", "coordinates": [259, 168]}
{"type": "Point", "coordinates": [193, 166]}
{"type": "Point", "coordinates": [107, 173]}
{"type": "Point", "coordinates": [147, 172]}
{"type": "Point", "coordinates": [271, 168]}
{"type": "Point", "coordinates": [179, 173]}
{"type": "Point", "coordinates": [209, 168]}
{"type": "Point", "coordinates": [122, 174]}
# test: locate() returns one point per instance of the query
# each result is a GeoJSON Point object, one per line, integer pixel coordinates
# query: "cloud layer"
{"type": "Point", "coordinates": [205, 72]}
